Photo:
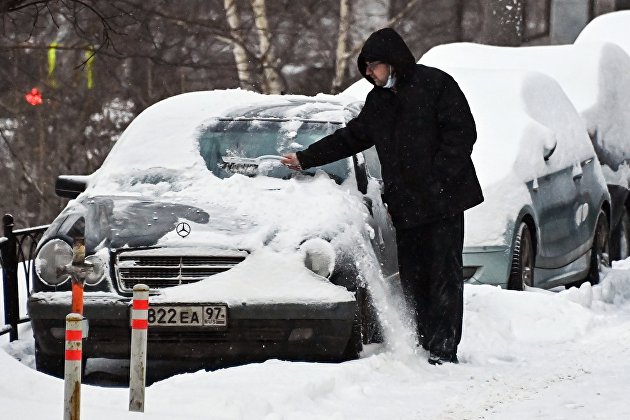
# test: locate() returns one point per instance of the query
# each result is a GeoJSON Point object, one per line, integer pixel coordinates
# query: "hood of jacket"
{"type": "Point", "coordinates": [387, 46]}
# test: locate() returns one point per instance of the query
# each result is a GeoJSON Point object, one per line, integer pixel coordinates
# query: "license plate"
{"type": "Point", "coordinates": [214, 316]}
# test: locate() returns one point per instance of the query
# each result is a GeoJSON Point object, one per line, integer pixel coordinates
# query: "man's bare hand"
{"type": "Point", "coordinates": [291, 160]}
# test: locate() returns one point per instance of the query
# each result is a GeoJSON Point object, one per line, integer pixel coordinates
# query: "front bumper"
{"type": "Point", "coordinates": [254, 332]}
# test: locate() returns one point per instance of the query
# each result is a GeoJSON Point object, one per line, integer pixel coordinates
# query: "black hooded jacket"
{"type": "Point", "coordinates": [423, 132]}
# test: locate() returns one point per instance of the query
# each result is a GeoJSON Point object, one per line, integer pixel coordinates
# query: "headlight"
{"type": "Point", "coordinates": [319, 256]}
{"type": "Point", "coordinates": [96, 270]}
{"type": "Point", "coordinates": [53, 257]}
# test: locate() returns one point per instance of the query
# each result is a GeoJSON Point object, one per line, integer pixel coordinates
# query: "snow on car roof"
{"type": "Point", "coordinates": [300, 109]}
{"type": "Point", "coordinates": [612, 27]}
{"type": "Point", "coordinates": [595, 77]}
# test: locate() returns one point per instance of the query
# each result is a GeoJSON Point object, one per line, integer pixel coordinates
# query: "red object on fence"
{"type": "Point", "coordinates": [34, 97]}
{"type": "Point", "coordinates": [77, 297]}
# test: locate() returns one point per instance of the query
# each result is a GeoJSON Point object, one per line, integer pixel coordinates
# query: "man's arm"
{"type": "Point", "coordinates": [344, 142]}
{"type": "Point", "coordinates": [457, 130]}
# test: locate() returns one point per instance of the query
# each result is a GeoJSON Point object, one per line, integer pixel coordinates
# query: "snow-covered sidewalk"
{"type": "Point", "coordinates": [536, 354]}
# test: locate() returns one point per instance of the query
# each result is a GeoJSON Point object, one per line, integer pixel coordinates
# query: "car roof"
{"type": "Point", "coordinates": [611, 27]}
{"type": "Point", "coordinates": [595, 76]}
{"type": "Point", "coordinates": [583, 71]}
{"type": "Point", "coordinates": [330, 110]}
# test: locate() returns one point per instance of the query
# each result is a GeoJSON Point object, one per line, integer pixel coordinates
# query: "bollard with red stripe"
{"type": "Point", "coordinates": [72, 368]}
{"type": "Point", "coordinates": [138, 360]}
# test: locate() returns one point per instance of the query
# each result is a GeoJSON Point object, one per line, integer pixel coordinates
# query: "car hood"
{"type": "Point", "coordinates": [237, 213]}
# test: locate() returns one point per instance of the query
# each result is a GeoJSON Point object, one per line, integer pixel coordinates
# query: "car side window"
{"type": "Point", "coordinates": [372, 164]}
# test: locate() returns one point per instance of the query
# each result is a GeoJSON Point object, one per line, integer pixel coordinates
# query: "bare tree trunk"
{"type": "Point", "coordinates": [459, 17]}
{"type": "Point", "coordinates": [272, 82]}
{"type": "Point", "coordinates": [149, 80]}
{"type": "Point", "coordinates": [503, 22]}
{"type": "Point", "coordinates": [240, 54]}
{"type": "Point", "coordinates": [341, 54]}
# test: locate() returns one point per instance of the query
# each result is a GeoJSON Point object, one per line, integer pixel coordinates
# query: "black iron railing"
{"type": "Point", "coordinates": [16, 247]}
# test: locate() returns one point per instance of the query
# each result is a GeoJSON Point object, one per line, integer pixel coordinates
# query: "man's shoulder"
{"type": "Point", "coordinates": [431, 73]}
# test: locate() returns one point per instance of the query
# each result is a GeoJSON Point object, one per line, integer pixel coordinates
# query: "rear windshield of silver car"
{"type": "Point", "coordinates": [241, 141]}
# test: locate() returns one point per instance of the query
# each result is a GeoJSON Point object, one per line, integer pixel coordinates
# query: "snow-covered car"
{"type": "Point", "coordinates": [245, 258]}
{"type": "Point", "coordinates": [599, 91]}
{"type": "Point", "coordinates": [544, 221]}
{"type": "Point", "coordinates": [609, 27]}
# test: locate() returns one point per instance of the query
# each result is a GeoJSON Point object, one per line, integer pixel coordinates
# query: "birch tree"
{"type": "Point", "coordinates": [272, 81]}
{"type": "Point", "coordinates": [341, 52]}
{"type": "Point", "coordinates": [241, 55]}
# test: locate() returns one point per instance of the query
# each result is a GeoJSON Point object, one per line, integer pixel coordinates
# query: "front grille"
{"type": "Point", "coordinates": [157, 268]}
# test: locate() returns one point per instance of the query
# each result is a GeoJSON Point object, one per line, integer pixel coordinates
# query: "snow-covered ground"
{"type": "Point", "coordinates": [535, 354]}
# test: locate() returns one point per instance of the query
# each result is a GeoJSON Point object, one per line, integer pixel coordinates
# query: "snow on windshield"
{"type": "Point", "coordinates": [252, 146]}
{"type": "Point", "coordinates": [595, 77]}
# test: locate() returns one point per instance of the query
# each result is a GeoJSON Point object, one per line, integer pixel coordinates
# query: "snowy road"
{"type": "Point", "coordinates": [532, 355]}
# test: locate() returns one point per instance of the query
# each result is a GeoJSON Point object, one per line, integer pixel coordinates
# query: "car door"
{"type": "Point", "coordinates": [590, 190]}
{"type": "Point", "coordinates": [555, 196]}
{"type": "Point", "coordinates": [384, 241]}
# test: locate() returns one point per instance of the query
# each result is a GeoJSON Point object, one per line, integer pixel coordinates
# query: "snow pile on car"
{"type": "Point", "coordinates": [158, 160]}
{"type": "Point", "coordinates": [609, 27]}
{"type": "Point", "coordinates": [595, 77]}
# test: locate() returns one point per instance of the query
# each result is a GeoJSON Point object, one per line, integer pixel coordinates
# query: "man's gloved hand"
{"type": "Point", "coordinates": [291, 160]}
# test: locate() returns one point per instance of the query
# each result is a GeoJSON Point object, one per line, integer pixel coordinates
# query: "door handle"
{"type": "Point", "coordinates": [577, 172]}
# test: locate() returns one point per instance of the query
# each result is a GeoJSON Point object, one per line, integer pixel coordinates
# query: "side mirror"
{"type": "Point", "coordinates": [70, 186]}
{"type": "Point", "coordinates": [361, 174]}
{"type": "Point", "coordinates": [548, 150]}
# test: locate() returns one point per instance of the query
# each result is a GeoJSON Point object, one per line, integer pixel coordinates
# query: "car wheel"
{"type": "Point", "coordinates": [600, 249]}
{"type": "Point", "coordinates": [355, 343]}
{"type": "Point", "coordinates": [623, 237]}
{"type": "Point", "coordinates": [371, 330]}
{"type": "Point", "coordinates": [522, 270]}
{"type": "Point", "coordinates": [50, 364]}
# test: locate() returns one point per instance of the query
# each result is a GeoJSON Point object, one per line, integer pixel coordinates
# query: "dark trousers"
{"type": "Point", "coordinates": [430, 264]}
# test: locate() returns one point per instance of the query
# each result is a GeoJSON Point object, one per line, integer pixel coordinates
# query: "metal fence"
{"type": "Point", "coordinates": [16, 247]}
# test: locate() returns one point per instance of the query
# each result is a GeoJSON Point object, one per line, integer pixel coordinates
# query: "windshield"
{"type": "Point", "coordinates": [236, 146]}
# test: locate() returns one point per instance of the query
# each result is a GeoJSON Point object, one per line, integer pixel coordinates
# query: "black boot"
{"type": "Point", "coordinates": [436, 359]}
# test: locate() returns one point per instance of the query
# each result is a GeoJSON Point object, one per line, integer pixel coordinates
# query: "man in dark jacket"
{"type": "Point", "coordinates": [423, 130]}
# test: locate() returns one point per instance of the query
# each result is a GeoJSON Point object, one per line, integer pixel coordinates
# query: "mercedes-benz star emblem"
{"type": "Point", "coordinates": [183, 229]}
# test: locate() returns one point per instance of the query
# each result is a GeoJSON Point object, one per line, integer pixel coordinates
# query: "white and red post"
{"type": "Point", "coordinates": [72, 368]}
{"type": "Point", "coordinates": [138, 360]}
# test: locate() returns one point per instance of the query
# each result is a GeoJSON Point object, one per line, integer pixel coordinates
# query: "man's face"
{"type": "Point", "coordinates": [377, 71]}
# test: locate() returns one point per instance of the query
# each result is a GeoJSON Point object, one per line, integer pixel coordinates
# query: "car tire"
{"type": "Point", "coordinates": [355, 343]}
{"type": "Point", "coordinates": [49, 364]}
{"type": "Point", "coordinates": [600, 250]}
{"type": "Point", "coordinates": [622, 237]}
{"type": "Point", "coordinates": [522, 269]}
